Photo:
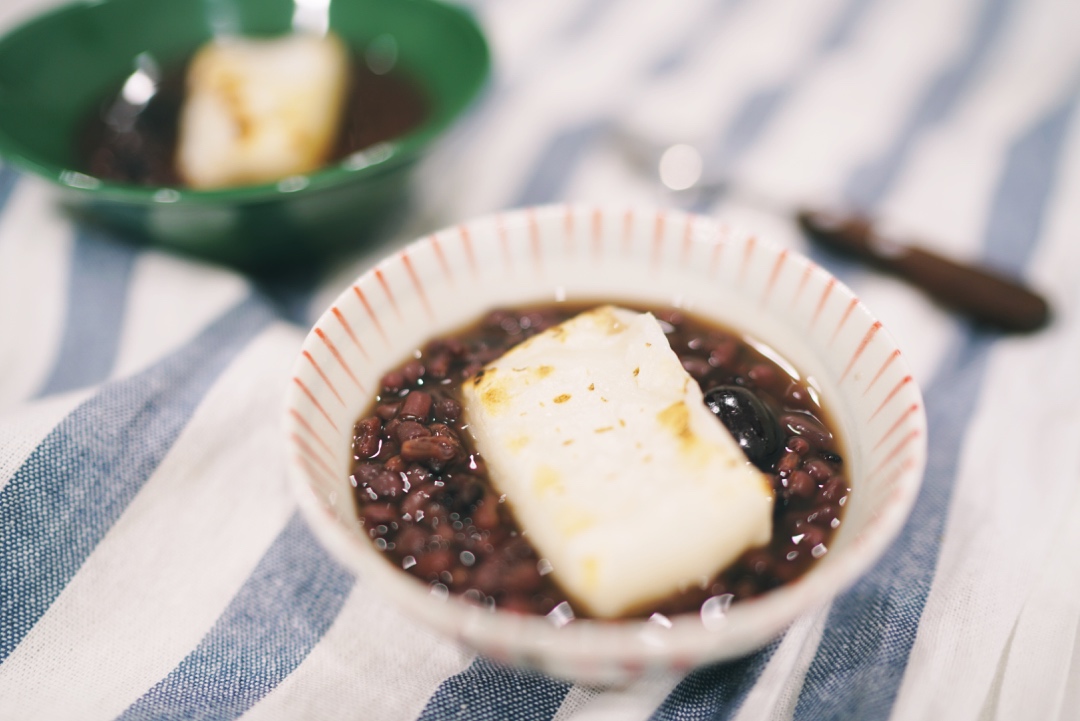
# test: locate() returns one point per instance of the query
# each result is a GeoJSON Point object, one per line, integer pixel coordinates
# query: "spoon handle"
{"type": "Point", "coordinates": [981, 294]}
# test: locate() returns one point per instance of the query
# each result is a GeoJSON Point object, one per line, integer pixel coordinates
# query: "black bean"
{"type": "Point", "coordinates": [749, 420]}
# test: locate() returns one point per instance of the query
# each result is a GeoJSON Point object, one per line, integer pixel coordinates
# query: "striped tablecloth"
{"type": "Point", "coordinates": [152, 563]}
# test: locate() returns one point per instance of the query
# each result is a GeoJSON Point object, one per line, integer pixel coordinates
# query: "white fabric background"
{"type": "Point", "coordinates": [997, 638]}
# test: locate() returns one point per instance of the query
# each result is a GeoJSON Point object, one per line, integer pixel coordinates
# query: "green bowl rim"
{"type": "Point", "coordinates": [379, 157]}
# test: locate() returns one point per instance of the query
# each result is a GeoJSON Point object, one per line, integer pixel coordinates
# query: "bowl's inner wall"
{"type": "Point", "coordinates": [55, 70]}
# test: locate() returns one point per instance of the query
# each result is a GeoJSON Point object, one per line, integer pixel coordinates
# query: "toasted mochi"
{"type": "Point", "coordinates": [615, 469]}
{"type": "Point", "coordinates": [260, 110]}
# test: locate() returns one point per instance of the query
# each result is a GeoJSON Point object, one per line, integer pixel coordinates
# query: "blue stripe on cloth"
{"type": "Point", "coordinates": [81, 477]}
{"type": "Point", "coordinates": [8, 178]}
{"type": "Point", "coordinates": [755, 114]}
{"type": "Point", "coordinates": [864, 650]}
{"type": "Point", "coordinates": [1026, 185]}
{"type": "Point", "coordinates": [283, 609]}
{"type": "Point", "coordinates": [559, 162]}
{"type": "Point", "coordinates": [487, 691]}
{"type": "Point", "coordinates": [589, 17]}
{"type": "Point", "coordinates": [715, 692]}
{"type": "Point", "coordinates": [292, 293]}
{"type": "Point", "coordinates": [96, 302]}
{"type": "Point", "coordinates": [869, 183]}
{"type": "Point", "coordinates": [704, 34]}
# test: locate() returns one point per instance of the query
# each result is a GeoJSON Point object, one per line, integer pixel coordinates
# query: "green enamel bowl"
{"type": "Point", "coordinates": [57, 68]}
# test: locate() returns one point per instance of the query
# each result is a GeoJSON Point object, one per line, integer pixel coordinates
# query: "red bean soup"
{"type": "Point", "coordinates": [137, 145]}
{"type": "Point", "coordinates": [425, 498]}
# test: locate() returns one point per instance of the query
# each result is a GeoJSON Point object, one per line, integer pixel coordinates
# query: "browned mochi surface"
{"type": "Point", "coordinates": [601, 440]}
{"type": "Point", "coordinates": [425, 498]}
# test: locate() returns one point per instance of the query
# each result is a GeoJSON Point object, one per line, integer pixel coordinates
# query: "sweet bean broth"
{"type": "Point", "coordinates": [140, 148]}
{"type": "Point", "coordinates": [424, 496]}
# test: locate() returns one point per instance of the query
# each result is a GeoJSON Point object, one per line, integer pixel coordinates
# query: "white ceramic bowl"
{"type": "Point", "coordinates": [653, 257]}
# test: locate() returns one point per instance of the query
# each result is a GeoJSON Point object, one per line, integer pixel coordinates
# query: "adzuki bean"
{"type": "Point", "coordinates": [422, 489]}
